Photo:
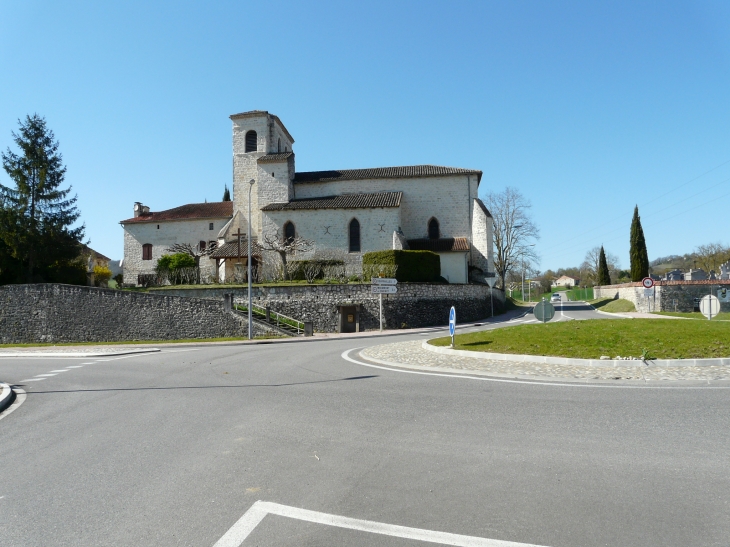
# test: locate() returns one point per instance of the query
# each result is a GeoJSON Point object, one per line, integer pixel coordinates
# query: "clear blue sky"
{"type": "Point", "coordinates": [587, 108]}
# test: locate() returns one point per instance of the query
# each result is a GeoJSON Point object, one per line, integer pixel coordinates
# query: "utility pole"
{"type": "Point", "coordinates": [248, 238]}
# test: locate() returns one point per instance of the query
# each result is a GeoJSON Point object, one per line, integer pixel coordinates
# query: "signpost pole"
{"type": "Point", "coordinates": [381, 312]}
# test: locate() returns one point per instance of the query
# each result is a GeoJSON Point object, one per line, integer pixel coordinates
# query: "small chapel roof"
{"type": "Point", "coordinates": [191, 211]}
{"type": "Point", "coordinates": [345, 201]}
{"type": "Point", "coordinates": [442, 244]}
{"type": "Point", "coordinates": [408, 171]}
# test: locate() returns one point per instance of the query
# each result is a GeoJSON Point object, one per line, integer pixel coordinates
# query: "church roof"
{"type": "Point", "coordinates": [230, 249]}
{"type": "Point", "coordinates": [409, 171]}
{"type": "Point", "coordinates": [216, 209]}
{"type": "Point", "coordinates": [345, 201]}
{"type": "Point", "coordinates": [271, 158]}
{"type": "Point", "coordinates": [442, 244]}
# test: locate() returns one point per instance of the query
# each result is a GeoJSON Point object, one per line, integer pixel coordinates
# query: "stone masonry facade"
{"type": "Point", "coordinates": [668, 295]}
{"type": "Point", "coordinates": [414, 305]}
{"type": "Point", "coordinates": [68, 313]}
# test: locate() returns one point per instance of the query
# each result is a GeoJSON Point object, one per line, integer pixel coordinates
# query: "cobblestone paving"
{"type": "Point", "coordinates": [412, 354]}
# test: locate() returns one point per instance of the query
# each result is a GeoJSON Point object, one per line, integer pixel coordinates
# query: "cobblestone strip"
{"type": "Point", "coordinates": [412, 354]}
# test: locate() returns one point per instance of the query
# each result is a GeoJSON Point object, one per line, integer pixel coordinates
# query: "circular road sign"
{"type": "Point", "coordinates": [544, 311]}
{"type": "Point", "coordinates": [648, 282]}
{"type": "Point", "coordinates": [709, 306]}
{"type": "Point", "coordinates": [452, 321]}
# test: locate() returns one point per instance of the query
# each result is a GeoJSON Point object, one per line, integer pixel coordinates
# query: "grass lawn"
{"type": "Point", "coordinates": [612, 337]}
{"type": "Point", "coordinates": [722, 316]}
{"type": "Point", "coordinates": [611, 305]}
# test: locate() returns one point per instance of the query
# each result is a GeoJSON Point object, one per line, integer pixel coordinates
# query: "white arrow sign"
{"type": "Point", "coordinates": [383, 281]}
{"type": "Point", "coordinates": [384, 289]}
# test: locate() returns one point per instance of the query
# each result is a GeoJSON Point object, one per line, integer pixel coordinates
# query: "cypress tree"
{"type": "Point", "coordinates": [226, 194]}
{"type": "Point", "coordinates": [38, 214]}
{"type": "Point", "coordinates": [603, 276]}
{"type": "Point", "coordinates": [639, 256]}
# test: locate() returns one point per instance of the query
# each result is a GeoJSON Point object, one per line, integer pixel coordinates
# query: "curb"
{"type": "Point", "coordinates": [576, 362]}
{"type": "Point", "coordinates": [6, 396]}
{"type": "Point", "coordinates": [76, 353]}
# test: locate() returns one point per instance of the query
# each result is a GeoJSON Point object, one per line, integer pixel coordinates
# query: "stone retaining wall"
{"type": "Point", "coordinates": [668, 295]}
{"type": "Point", "coordinates": [69, 313]}
{"type": "Point", "coordinates": [414, 305]}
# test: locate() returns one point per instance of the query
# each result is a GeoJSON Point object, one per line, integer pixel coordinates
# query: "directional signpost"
{"type": "Point", "coordinates": [710, 306]}
{"type": "Point", "coordinates": [544, 311]}
{"type": "Point", "coordinates": [452, 324]}
{"type": "Point", "coordinates": [381, 286]}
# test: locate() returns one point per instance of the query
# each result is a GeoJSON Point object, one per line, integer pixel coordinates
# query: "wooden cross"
{"type": "Point", "coordinates": [238, 235]}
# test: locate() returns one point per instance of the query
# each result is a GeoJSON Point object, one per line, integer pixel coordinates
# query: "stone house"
{"type": "Point", "coordinates": [348, 212]}
{"type": "Point", "coordinates": [566, 281]}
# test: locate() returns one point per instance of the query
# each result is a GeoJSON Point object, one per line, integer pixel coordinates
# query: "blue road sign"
{"type": "Point", "coordinates": [452, 321]}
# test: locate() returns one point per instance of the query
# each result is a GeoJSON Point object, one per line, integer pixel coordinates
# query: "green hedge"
{"type": "Point", "coordinates": [416, 266]}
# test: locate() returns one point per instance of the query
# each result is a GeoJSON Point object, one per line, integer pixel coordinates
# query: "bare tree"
{"type": "Point", "coordinates": [590, 266]}
{"type": "Point", "coordinates": [311, 269]}
{"type": "Point", "coordinates": [712, 255]}
{"type": "Point", "coordinates": [285, 247]}
{"type": "Point", "coordinates": [513, 228]}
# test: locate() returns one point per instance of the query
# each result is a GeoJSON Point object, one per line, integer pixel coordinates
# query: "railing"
{"type": "Point", "coordinates": [267, 314]}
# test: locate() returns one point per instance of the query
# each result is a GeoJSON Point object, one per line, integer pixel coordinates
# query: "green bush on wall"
{"type": "Point", "coordinates": [296, 267]}
{"type": "Point", "coordinates": [415, 266]}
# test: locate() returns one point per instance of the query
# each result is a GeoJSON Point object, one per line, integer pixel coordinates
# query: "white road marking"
{"type": "Point", "coordinates": [91, 363]}
{"type": "Point", "coordinates": [251, 518]}
{"type": "Point", "coordinates": [32, 380]}
{"type": "Point", "coordinates": [42, 375]}
{"type": "Point", "coordinates": [540, 383]}
{"type": "Point", "coordinates": [20, 397]}
{"type": "Point", "coordinates": [75, 366]}
{"type": "Point", "coordinates": [62, 370]}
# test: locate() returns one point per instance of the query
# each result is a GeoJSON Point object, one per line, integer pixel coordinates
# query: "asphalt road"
{"type": "Point", "coordinates": [173, 448]}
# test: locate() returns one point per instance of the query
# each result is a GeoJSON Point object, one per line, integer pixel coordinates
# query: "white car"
{"type": "Point", "coordinates": [555, 297]}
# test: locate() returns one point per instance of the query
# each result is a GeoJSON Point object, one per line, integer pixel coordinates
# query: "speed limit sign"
{"type": "Point", "coordinates": [648, 282]}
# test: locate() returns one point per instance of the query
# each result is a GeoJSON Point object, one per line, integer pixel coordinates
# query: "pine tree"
{"type": "Point", "coordinates": [38, 214]}
{"type": "Point", "coordinates": [639, 256]}
{"type": "Point", "coordinates": [603, 276]}
{"type": "Point", "coordinates": [226, 194]}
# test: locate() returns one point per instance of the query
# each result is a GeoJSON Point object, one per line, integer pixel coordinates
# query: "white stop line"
{"type": "Point", "coordinates": [251, 518]}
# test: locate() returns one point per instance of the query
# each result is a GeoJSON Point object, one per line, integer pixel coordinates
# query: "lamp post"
{"type": "Point", "coordinates": [522, 295]}
{"type": "Point", "coordinates": [248, 238]}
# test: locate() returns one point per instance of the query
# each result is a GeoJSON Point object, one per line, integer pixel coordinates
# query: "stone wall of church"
{"type": "Point", "coordinates": [68, 313]}
{"type": "Point", "coordinates": [447, 198]}
{"type": "Point", "coordinates": [168, 233]}
{"type": "Point", "coordinates": [482, 240]}
{"type": "Point", "coordinates": [329, 228]}
{"type": "Point", "coordinates": [414, 305]}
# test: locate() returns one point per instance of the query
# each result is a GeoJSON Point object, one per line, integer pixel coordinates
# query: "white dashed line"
{"type": "Point", "coordinates": [75, 366]}
{"type": "Point", "coordinates": [32, 380]}
{"type": "Point", "coordinates": [251, 518]}
{"type": "Point", "coordinates": [41, 375]}
{"type": "Point", "coordinates": [62, 370]}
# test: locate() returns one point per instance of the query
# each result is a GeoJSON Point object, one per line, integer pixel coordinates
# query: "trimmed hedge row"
{"type": "Point", "coordinates": [415, 266]}
{"type": "Point", "coordinates": [296, 267]}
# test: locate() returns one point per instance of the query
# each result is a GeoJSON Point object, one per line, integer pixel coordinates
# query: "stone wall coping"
{"type": "Point", "coordinates": [547, 360]}
{"type": "Point", "coordinates": [665, 283]}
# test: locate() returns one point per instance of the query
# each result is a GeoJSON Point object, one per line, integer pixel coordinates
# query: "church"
{"type": "Point", "coordinates": [344, 213]}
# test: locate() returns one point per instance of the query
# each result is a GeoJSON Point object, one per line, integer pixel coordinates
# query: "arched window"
{"type": "Point", "coordinates": [201, 245]}
{"type": "Point", "coordinates": [251, 141]}
{"type": "Point", "coordinates": [354, 236]}
{"type": "Point", "coordinates": [433, 229]}
{"type": "Point", "coordinates": [289, 231]}
{"type": "Point", "coordinates": [147, 251]}
{"type": "Point", "coordinates": [278, 146]}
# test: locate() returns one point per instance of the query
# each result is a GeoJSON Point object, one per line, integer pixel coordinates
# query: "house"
{"type": "Point", "coordinates": [566, 281]}
{"type": "Point", "coordinates": [345, 213]}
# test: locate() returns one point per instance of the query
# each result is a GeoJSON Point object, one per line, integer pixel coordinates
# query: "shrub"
{"type": "Point", "coordinates": [102, 275]}
{"type": "Point", "coordinates": [174, 262]}
{"type": "Point", "coordinates": [298, 269]}
{"type": "Point", "coordinates": [410, 265]}
{"type": "Point", "coordinates": [119, 278]}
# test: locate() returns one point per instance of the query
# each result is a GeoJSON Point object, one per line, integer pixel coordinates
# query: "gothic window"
{"type": "Point", "coordinates": [251, 141]}
{"type": "Point", "coordinates": [354, 236]}
{"type": "Point", "coordinates": [289, 231]}
{"type": "Point", "coordinates": [147, 251]}
{"type": "Point", "coordinates": [201, 245]}
{"type": "Point", "coordinates": [433, 229]}
{"type": "Point", "coordinates": [278, 146]}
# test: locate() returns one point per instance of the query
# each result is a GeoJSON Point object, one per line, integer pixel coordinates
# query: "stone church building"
{"type": "Point", "coordinates": [347, 212]}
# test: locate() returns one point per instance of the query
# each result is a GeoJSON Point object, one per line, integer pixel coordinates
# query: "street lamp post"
{"type": "Point", "coordinates": [522, 295]}
{"type": "Point", "coordinates": [248, 238]}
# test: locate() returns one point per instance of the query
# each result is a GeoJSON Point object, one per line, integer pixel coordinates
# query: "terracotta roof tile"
{"type": "Point", "coordinates": [443, 244]}
{"type": "Point", "coordinates": [410, 171]}
{"type": "Point", "coordinates": [271, 158]}
{"type": "Point", "coordinates": [345, 201]}
{"type": "Point", "coordinates": [218, 209]}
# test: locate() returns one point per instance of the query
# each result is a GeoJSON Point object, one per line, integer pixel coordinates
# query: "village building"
{"type": "Point", "coordinates": [566, 281]}
{"type": "Point", "coordinates": [345, 213]}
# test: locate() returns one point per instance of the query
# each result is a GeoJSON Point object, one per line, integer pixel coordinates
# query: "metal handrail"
{"type": "Point", "coordinates": [299, 325]}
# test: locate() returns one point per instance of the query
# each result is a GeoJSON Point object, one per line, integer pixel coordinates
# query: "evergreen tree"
{"type": "Point", "coordinates": [638, 255]}
{"type": "Point", "coordinates": [38, 214]}
{"type": "Point", "coordinates": [603, 276]}
{"type": "Point", "coordinates": [226, 194]}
